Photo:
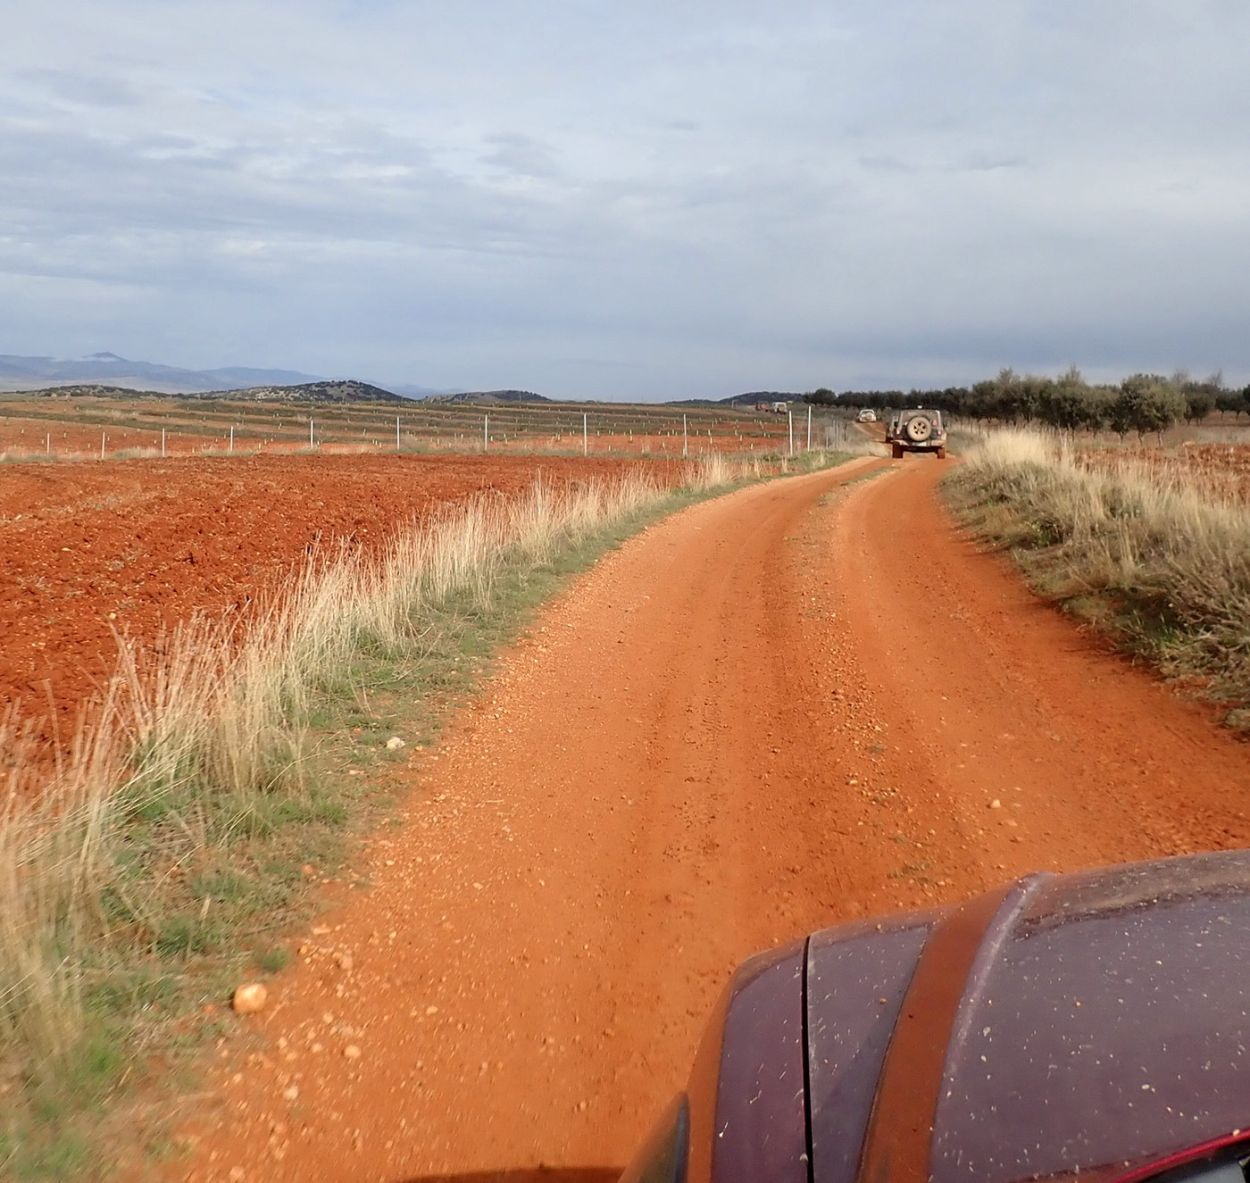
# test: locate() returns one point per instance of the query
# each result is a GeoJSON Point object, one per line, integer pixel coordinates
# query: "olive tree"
{"type": "Point", "coordinates": [1146, 402]}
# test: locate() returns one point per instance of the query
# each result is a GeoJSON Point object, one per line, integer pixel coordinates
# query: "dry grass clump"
{"type": "Point", "coordinates": [213, 726]}
{"type": "Point", "coordinates": [1160, 561]}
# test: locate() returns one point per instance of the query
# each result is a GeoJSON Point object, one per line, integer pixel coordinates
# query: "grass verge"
{"type": "Point", "coordinates": [171, 852]}
{"type": "Point", "coordinates": [1160, 565]}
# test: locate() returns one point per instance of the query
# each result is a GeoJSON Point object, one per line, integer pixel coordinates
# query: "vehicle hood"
{"type": "Point", "coordinates": [1086, 1025]}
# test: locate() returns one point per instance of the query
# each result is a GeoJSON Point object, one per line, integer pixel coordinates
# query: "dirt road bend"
{"type": "Point", "coordinates": [803, 702]}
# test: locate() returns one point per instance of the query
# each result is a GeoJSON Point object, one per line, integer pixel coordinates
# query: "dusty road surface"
{"type": "Point", "coordinates": [803, 702]}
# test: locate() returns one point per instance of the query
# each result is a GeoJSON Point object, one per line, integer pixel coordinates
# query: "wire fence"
{"type": "Point", "coordinates": [102, 432]}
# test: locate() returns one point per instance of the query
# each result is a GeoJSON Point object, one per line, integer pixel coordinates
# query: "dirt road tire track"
{"type": "Point", "coordinates": [711, 744]}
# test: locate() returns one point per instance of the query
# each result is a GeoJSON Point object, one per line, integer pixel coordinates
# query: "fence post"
{"type": "Point", "coordinates": [585, 434]}
{"type": "Point", "coordinates": [685, 439]}
{"type": "Point", "coordinates": [162, 443]}
{"type": "Point", "coordinates": [103, 437]}
{"type": "Point", "coordinates": [49, 443]}
{"type": "Point", "coordinates": [310, 432]}
{"type": "Point", "coordinates": [397, 433]}
{"type": "Point", "coordinates": [809, 427]}
{"type": "Point", "coordinates": [231, 437]}
{"type": "Point", "coordinates": [790, 417]}
{"type": "Point", "coordinates": [485, 431]}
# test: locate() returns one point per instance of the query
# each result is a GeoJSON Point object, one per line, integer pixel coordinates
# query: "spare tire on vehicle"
{"type": "Point", "coordinates": [919, 428]}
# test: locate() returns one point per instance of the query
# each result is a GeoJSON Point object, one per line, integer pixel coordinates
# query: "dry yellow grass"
{"type": "Point", "coordinates": [1162, 563]}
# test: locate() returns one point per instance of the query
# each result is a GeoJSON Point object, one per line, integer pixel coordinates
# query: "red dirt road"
{"type": "Point", "coordinates": [716, 741]}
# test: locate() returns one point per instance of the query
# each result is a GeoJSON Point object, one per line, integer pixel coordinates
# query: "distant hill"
{"type": "Point", "coordinates": [108, 370]}
{"type": "Point", "coordinates": [490, 397]}
{"type": "Point", "coordinates": [739, 400]}
{"type": "Point", "coordinates": [91, 390]}
{"type": "Point", "coordinates": [347, 391]}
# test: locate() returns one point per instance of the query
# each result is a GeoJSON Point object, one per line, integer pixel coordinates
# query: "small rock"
{"type": "Point", "coordinates": [351, 1052]}
{"type": "Point", "coordinates": [249, 998]}
{"type": "Point", "coordinates": [343, 960]}
{"type": "Point", "coordinates": [291, 1093]}
{"type": "Point", "coordinates": [394, 744]}
{"type": "Point", "coordinates": [996, 804]}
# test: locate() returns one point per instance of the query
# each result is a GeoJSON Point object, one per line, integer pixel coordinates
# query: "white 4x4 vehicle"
{"type": "Point", "coordinates": [916, 430]}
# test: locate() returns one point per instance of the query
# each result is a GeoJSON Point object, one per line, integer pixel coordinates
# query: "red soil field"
{"type": "Point", "coordinates": [76, 425]}
{"type": "Point", "coordinates": [21, 438]}
{"type": "Point", "coordinates": [137, 547]}
{"type": "Point", "coordinates": [1223, 467]}
{"type": "Point", "coordinates": [1219, 469]}
{"type": "Point", "coordinates": [662, 446]}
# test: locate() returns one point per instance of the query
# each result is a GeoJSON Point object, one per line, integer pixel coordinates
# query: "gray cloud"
{"type": "Point", "coordinates": [630, 200]}
{"type": "Point", "coordinates": [73, 88]}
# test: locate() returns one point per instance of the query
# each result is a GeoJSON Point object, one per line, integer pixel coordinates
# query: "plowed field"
{"type": "Point", "coordinates": [83, 426]}
{"type": "Point", "coordinates": [59, 439]}
{"type": "Point", "coordinates": [88, 551]}
{"type": "Point", "coordinates": [1222, 470]}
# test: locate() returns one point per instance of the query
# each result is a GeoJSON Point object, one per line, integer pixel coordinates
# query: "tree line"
{"type": "Point", "coordinates": [1142, 403]}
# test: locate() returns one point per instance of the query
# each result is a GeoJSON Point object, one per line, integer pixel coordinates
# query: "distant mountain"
{"type": "Point", "coordinates": [347, 391]}
{"type": "Point", "coordinates": [490, 397]}
{"type": "Point", "coordinates": [108, 369]}
{"type": "Point", "coordinates": [243, 377]}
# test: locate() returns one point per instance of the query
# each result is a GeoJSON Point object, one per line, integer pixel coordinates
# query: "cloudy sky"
{"type": "Point", "coordinates": [653, 199]}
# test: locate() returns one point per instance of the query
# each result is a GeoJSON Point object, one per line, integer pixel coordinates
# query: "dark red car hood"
{"type": "Point", "coordinates": [1088, 1025]}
